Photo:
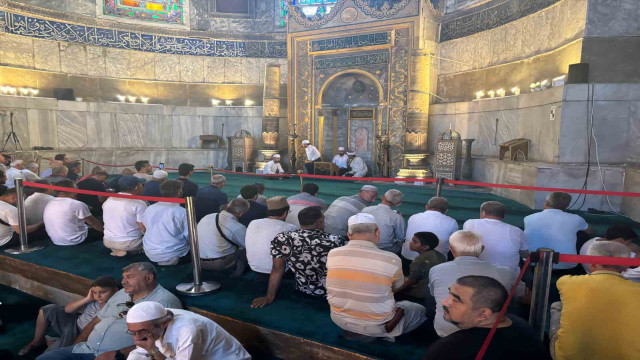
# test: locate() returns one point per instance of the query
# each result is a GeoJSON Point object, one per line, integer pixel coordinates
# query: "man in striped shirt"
{"type": "Point", "coordinates": [360, 283]}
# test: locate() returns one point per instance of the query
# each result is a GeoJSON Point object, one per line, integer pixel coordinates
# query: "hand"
{"type": "Point", "coordinates": [109, 355]}
{"type": "Point", "coordinates": [148, 343]}
{"type": "Point", "coordinates": [89, 296]}
{"type": "Point", "coordinates": [261, 302]}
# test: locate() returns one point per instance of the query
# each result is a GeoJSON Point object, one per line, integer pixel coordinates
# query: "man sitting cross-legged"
{"type": "Point", "coordinates": [473, 305]}
{"type": "Point", "coordinates": [67, 321]}
{"type": "Point", "coordinates": [360, 283]}
{"type": "Point", "coordinates": [306, 198]}
{"type": "Point", "coordinates": [123, 227]}
{"type": "Point", "coordinates": [105, 337]}
{"type": "Point", "coordinates": [9, 225]}
{"type": "Point", "coordinates": [417, 284]}
{"type": "Point", "coordinates": [305, 252]}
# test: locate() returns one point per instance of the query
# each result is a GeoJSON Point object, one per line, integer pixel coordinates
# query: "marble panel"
{"type": "Point", "coordinates": [251, 72]}
{"type": "Point", "coordinates": [573, 146]}
{"type": "Point", "coordinates": [101, 130]}
{"type": "Point", "coordinates": [191, 69]}
{"type": "Point", "coordinates": [199, 158]}
{"type": "Point", "coordinates": [158, 131]}
{"type": "Point", "coordinates": [20, 126]}
{"type": "Point", "coordinates": [118, 63]}
{"type": "Point", "coordinates": [99, 156]}
{"type": "Point", "coordinates": [611, 122]}
{"type": "Point", "coordinates": [46, 55]}
{"type": "Point", "coordinates": [131, 130]}
{"type": "Point", "coordinates": [41, 103]}
{"type": "Point", "coordinates": [633, 152]}
{"type": "Point", "coordinates": [42, 128]}
{"type": "Point", "coordinates": [187, 131]}
{"type": "Point", "coordinates": [143, 65]}
{"type": "Point", "coordinates": [261, 64]}
{"type": "Point", "coordinates": [96, 61]}
{"type": "Point", "coordinates": [576, 92]}
{"type": "Point", "coordinates": [73, 58]}
{"type": "Point", "coordinates": [634, 92]}
{"type": "Point", "coordinates": [214, 70]}
{"type": "Point", "coordinates": [613, 18]}
{"type": "Point", "coordinates": [16, 50]}
{"type": "Point", "coordinates": [167, 67]}
{"type": "Point", "coordinates": [232, 71]}
{"type": "Point", "coordinates": [611, 92]}
{"type": "Point", "coordinates": [72, 129]}
{"type": "Point", "coordinates": [284, 71]}
{"type": "Point", "coordinates": [131, 156]}
{"type": "Point", "coordinates": [72, 105]}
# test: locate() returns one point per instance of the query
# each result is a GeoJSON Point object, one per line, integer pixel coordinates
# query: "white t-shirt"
{"type": "Point", "coordinates": [34, 206]}
{"type": "Point", "coordinates": [502, 242]}
{"type": "Point", "coordinates": [8, 214]}
{"type": "Point", "coordinates": [340, 161]}
{"type": "Point", "coordinates": [64, 221]}
{"type": "Point", "coordinates": [258, 242]}
{"type": "Point", "coordinates": [121, 218]}
{"type": "Point", "coordinates": [433, 221]}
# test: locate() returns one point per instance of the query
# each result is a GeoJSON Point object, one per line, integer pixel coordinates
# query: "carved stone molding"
{"type": "Point", "coordinates": [317, 20]}
{"type": "Point", "coordinates": [387, 9]}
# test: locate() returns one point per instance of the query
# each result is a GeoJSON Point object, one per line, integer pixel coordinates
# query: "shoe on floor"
{"type": "Point", "coordinates": [118, 253]}
{"type": "Point", "coordinates": [173, 261]}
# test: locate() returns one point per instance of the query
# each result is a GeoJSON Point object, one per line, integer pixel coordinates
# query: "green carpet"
{"type": "Point", "coordinates": [18, 312]}
{"type": "Point", "coordinates": [292, 312]}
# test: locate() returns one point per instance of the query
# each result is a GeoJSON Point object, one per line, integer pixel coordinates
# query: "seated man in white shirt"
{"type": "Point", "coordinates": [433, 220]}
{"type": "Point", "coordinates": [313, 155]}
{"type": "Point", "coordinates": [66, 219]}
{"type": "Point", "coordinates": [340, 161]}
{"type": "Point", "coordinates": [9, 225]}
{"type": "Point", "coordinates": [504, 244]}
{"type": "Point", "coordinates": [166, 239]}
{"type": "Point", "coordinates": [263, 231]}
{"type": "Point", "coordinates": [161, 333]}
{"type": "Point", "coordinates": [356, 167]}
{"type": "Point", "coordinates": [14, 172]}
{"type": "Point", "coordinates": [123, 227]}
{"type": "Point", "coordinates": [34, 205]}
{"type": "Point", "coordinates": [621, 234]}
{"type": "Point", "coordinates": [30, 172]}
{"type": "Point", "coordinates": [273, 166]}
{"type": "Point", "coordinates": [222, 239]}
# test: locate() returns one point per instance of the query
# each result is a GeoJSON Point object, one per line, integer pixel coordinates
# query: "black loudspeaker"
{"type": "Point", "coordinates": [578, 73]}
{"type": "Point", "coordinates": [63, 94]}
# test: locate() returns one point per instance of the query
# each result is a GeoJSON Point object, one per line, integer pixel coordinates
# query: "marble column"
{"type": "Point", "coordinates": [271, 106]}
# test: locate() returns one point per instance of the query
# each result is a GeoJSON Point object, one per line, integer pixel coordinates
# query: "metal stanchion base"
{"type": "Point", "coordinates": [191, 289]}
{"type": "Point", "coordinates": [19, 250]}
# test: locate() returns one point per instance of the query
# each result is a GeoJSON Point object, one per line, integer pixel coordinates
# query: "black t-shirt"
{"type": "Point", "coordinates": [91, 200]}
{"type": "Point", "coordinates": [189, 188]}
{"type": "Point", "coordinates": [517, 341]}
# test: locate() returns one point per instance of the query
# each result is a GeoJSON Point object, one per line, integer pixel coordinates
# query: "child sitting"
{"type": "Point", "coordinates": [417, 283]}
{"type": "Point", "coordinates": [68, 321]}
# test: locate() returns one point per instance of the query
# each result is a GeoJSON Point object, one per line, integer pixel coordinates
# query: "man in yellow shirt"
{"type": "Point", "coordinates": [599, 314]}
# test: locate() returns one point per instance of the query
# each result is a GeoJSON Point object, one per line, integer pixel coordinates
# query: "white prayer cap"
{"type": "Point", "coordinates": [351, 153]}
{"type": "Point", "coordinates": [305, 142]}
{"type": "Point", "coordinates": [160, 174]}
{"type": "Point", "coordinates": [361, 218]}
{"type": "Point", "coordinates": [340, 148]}
{"type": "Point", "coordinates": [276, 156]}
{"type": "Point", "coordinates": [145, 311]}
{"type": "Point", "coordinates": [368, 188]}
{"type": "Point", "coordinates": [16, 162]}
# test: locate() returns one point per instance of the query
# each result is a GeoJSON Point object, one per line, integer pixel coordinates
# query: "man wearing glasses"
{"type": "Point", "coordinates": [105, 337]}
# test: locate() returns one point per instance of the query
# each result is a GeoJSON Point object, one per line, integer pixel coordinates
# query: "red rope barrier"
{"type": "Point", "coordinates": [602, 260]}
{"type": "Point", "coordinates": [106, 194]}
{"type": "Point", "coordinates": [345, 178]}
{"type": "Point", "coordinates": [538, 188]}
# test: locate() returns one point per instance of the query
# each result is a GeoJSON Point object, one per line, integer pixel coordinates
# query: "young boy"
{"type": "Point", "coordinates": [424, 243]}
{"type": "Point", "coordinates": [67, 321]}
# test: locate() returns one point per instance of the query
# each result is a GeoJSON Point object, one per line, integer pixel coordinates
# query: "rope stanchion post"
{"type": "Point", "coordinates": [22, 223]}
{"type": "Point", "coordinates": [82, 171]}
{"type": "Point", "coordinates": [541, 286]}
{"type": "Point", "coordinates": [197, 287]}
{"type": "Point", "coordinates": [301, 179]}
{"type": "Point", "coordinates": [211, 170]}
{"type": "Point", "coordinates": [439, 183]}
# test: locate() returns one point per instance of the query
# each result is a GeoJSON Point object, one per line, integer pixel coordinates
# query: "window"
{"type": "Point", "coordinates": [231, 8]}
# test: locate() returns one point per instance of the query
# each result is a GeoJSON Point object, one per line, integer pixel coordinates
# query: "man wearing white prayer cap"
{"type": "Point", "coordinates": [335, 218]}
{"type": "Point", "coordinates": [313, 155]}
{"type": "Point", "coordinates": [368, 309]}
{"type": "Point", "coordinates": [340, 161]}
{"type": "Point", "coordinates": [273, 166]}
{"type": "Point", "coordinates": [356, 167]}
{"type": "Point", "coordinates": [178, 334]}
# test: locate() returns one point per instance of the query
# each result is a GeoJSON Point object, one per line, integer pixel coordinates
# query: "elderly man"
{"type": "Point", "coordinates": [30, 172]}
{"type": "Point", "coordinates": [123, 227]}
{"type": "Point", "coordinates": [9, 225]}
{"type": "Point", "coordinates": [391, 223]}
{"type": "Point", "coordinates": [94, 171]}
{"type": "Point", "coordinates": [152, 187]}
{"type": "Point", "coordinates": [15, 172]}
{"type": "Point", "coordinates": [112, 184]}
{"type": "Point", "coordinates": [306, 198]}
{"type": "Point", "coordinates": [466, 247]}
{"type": "Point", "coordinates": [360, 283]}
{"type": "Point", "coordinates": [356, 167]}
{"type": "Point", "coordinates": [344, 207]}
{"type": "Point", "coordinates": [59, 159]}
{"type": "Point", "coordinates": [555, 229]}
{"type": "Point", "coordinates": [599, 313]}
{"type": "Point", "coordinates": [166, 239]}
{"type": "Point", "coordinates": [341, 160]}
{"type": "Point", "coordinates": [303, 251]}
{"type": "Point", "coordinates": [504, 244]}
{"type": "Point", "coordinates": [222, 239]}
{"type": "Point", "coordinates": [105, 337]}
{"type": "Point", "coordinates": [75, 168]}
{"type": "Point", "coordinates": [58, 174]}
{"type": "Point", "coordinates": [256, 210]}
{"type": "Point", "coordinates": [189, 188]}
{"type": "Point", "coordinates": [273, 166]}
{"type": "Point", "coordinates": [621, 234]}
{"type": "Point", "coordinates": [95, 183]}
{"type": "Point", "coordinates": [34, 205]}
{"type": "Point", "coordinates": [66, 219]}
{"type": "Point", "coordinates": [433, 220]}
{"type": "Point", "coordinates": [210, 199]}
{"type": "Point", "coordinates": [178, 334]}
{"type": "Point", "coordinates": [473, 305]}
{"type": "Point", "coordinates": [143, 168]}
{"type": "Point", "coordinates": [313, 155]}
{"type": "Point", "coordinates": [264, 231]}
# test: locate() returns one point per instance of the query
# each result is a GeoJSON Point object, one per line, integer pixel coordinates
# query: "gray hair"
{"type": "Point", "coordinates": [31, 166]}
{"type": "Point", "coordinates": [218, 179]}
{"type": "Point", "coordinates": [465, 242]}
{"type": "Point", "coordinates": [438, 203]}
{"type": "Point", "coordinates": [494, 208]}
{"type": "Point", "coordinates": [59, 170]}
{"type": "Point", "coordinates": [162, 320]}
{"type": "Point", "coordinates": [17, 162]}
{"type": "Point", "coordinates": [367, 228]}
{"type": "Point", "coordinates": [394, 197]}
{"type": "Point", "coordinates": [609, 249]}
{"type": "Point", "coordinates": [127, 171]}
{"type": "Point", "coordinates": [559, 200]}
{"type": "Point", "coordinates": [146, 267]}
{"type": "Point", "coordinates": [97, 169]}
{"type": "Point", "coordinates": [237, 206]}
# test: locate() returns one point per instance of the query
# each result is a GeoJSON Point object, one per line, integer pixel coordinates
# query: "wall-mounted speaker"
{"type": "Point", "coordinates": [63, 94]}
{"type": "Point", "coordinates": [578, 73]}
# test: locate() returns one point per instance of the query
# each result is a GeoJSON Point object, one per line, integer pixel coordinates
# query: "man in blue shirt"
{"type": "Point", "coordinates": [152, 187]}
{"type": "Point", "coordinates": [210, 198]}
